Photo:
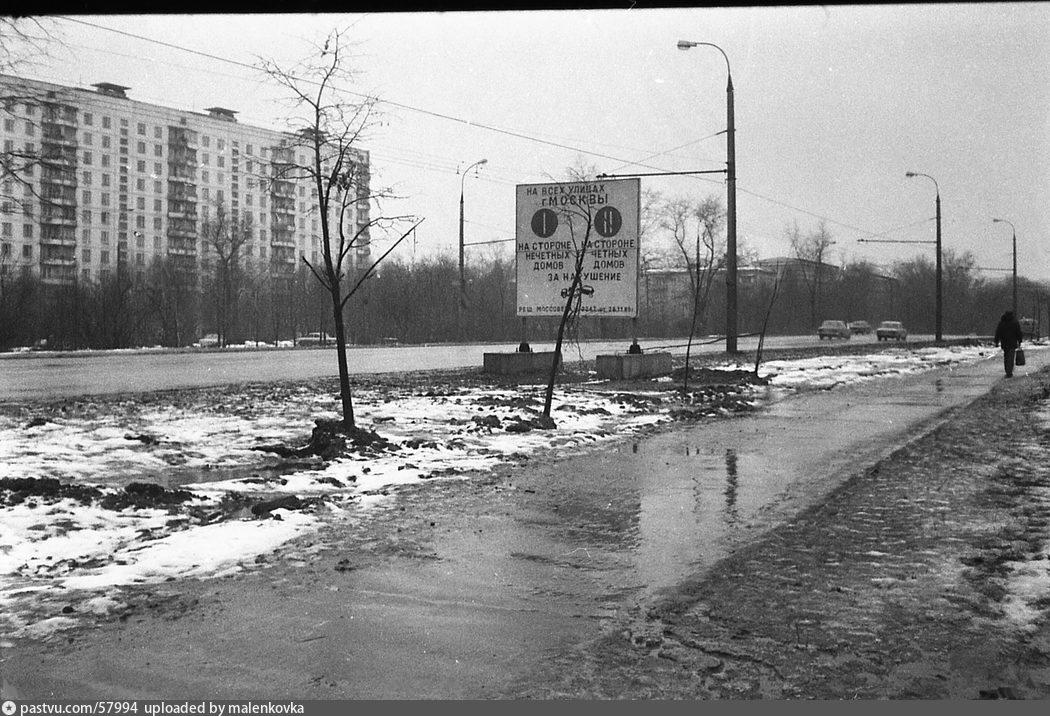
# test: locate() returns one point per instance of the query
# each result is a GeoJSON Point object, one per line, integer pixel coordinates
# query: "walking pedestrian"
{"type": "Point", "coordinates": [1008, 336]}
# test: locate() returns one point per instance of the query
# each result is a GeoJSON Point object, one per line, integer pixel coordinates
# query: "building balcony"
{"type": "Point", "coordinates": [55, 261]}
{"type": "Point", "coordinates": [59, 179]}
{"type": "Point", "coordinates": [58, 241]}
{"type": "Point", "coordinates": [57, 140]}
{"type": "Point", "coordinates": [182, 233]}
{"type": "Point", "coordinates": [283, 243]}
{"type": "Point", "coordinates": [59, 201]}
{"type": "Point", "coordinates": [59, 120]}
{"type": "Point", "coordinates": [46, 220]}
{"type": "Point", "coordinates": [178, 214]}
{"type": "Point", "coordinates": [182, 252]}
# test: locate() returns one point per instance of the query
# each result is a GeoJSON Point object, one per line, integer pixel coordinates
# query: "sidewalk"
{"type": "Point", "coordinates": [467, 589]}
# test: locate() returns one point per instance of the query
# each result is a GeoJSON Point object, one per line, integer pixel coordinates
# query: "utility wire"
{"type": "Point", "coordinates": [459, 120]}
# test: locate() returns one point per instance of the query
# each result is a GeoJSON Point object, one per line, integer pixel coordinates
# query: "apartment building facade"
{"type": "Point", "coordinates": [107, 184]}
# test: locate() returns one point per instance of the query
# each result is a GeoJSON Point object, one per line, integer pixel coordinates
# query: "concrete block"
{"type": "Point", "coordinates": [515, 363]}
{"type": "Point", "coordinates": [624, 366]}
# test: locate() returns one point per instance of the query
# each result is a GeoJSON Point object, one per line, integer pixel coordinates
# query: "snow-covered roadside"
{"type": "Point", "coordinates": [63, 550]}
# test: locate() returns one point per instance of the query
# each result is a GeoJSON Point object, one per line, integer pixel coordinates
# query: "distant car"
{"type": "Point", "coordinates": [314, 339]}
{"type": "Point", "coordinates": [891, 329]}
{"type": "Point", "coordinates": [209, 340]}
{"type": "Point", "coordinates": [833, 329]}
{"type": "Point", "coordinates": [859, 327]}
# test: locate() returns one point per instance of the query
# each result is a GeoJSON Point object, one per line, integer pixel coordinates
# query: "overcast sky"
{"type": "Point", "coordinates": [833, 105]}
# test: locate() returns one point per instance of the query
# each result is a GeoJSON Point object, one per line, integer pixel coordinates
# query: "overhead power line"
{"type": "Point", "coordinates": [460, 120]}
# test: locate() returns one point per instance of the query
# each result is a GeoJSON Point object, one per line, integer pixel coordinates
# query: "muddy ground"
{"type": "Point", "coordinates": [893, 588]}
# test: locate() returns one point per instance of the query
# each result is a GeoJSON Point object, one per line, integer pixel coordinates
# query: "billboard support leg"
{"type": "Point", "coordinates": [524, 347]}
{"type": "Point", "coordinates": [635, 349]}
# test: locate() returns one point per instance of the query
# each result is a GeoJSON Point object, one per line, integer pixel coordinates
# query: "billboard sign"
{"type": "Point", "coordinates": [554, 223]}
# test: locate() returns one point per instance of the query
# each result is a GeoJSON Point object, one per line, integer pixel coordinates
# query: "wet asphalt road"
{"type": "Point", "coordinates": [52, 376]}
{"type": "Point", "coordinates": [461, 589]}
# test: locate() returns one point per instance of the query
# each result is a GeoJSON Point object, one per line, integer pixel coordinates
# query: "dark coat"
{"type": "Point", "coordinates": [1008, 332]}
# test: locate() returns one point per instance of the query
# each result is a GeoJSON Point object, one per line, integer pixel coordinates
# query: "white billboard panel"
{"type": "Point", "coordinates": [555, 222]}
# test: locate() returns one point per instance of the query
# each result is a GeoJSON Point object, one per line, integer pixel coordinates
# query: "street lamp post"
{"type": "Point", "coordinates": [1004, 221]}
{"type": "Point", "coordinates": [462, 278]}
{"type": "Point", "coordinates": [939, 314]}
{"type": "Point", "coordinates": [731, 308]}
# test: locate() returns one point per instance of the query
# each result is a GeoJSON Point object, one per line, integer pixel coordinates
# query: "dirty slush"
{"type": "Point", "coordinates": [892, 588]}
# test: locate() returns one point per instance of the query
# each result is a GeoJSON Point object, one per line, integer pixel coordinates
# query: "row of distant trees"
{"type": "Point", "coordinates": [416, 302]}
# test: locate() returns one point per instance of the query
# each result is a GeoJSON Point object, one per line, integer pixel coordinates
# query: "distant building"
{"type": "Point", "coordinates": [115, 183]}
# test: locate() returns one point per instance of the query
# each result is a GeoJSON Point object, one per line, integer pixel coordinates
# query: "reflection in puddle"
{"type": "Point", "coordinates": [731, 485]}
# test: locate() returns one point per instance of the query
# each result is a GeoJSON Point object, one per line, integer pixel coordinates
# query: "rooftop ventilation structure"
{"type": "Point", "coordinates": [112, 90]}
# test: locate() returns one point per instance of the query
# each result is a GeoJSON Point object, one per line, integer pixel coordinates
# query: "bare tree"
{"type": "Point", "coordinates": [329, 123]}
{"type": "Point", "coordinates": [811, 250]}
{"type": "Point", "coordinates": [226, 233]}
{"type": "Point", "coordinates": [695, 228]}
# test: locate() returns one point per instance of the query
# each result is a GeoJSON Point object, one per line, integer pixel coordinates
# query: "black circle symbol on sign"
{"type": "Point", "coordinates": [544, 222]}
{"type": "Point", "coordinates": [608, 221]}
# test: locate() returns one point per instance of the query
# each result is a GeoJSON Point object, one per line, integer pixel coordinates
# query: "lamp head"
{"type": "Point", "coordinates": [483, 161]}
{"type": "Point", "coordinates": [909, 174]}
{"type": "Point", "coordinates": [685, 44]}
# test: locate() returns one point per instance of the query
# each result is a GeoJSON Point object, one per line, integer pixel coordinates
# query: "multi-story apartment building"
{"type": "Point", "coordinates": [108, 184]}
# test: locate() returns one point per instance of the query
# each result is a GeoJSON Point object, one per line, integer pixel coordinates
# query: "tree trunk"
{"type": "Point", "coordinates": [344, 370]}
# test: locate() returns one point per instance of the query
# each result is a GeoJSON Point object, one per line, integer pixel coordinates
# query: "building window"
{"type": "Point", "coordinates": [221, 161]}
{"type": "Point", "coordinates": [205, 140]}
{"type": "Point", "coordinates": [103, 238]}
{"type": "Point", "coordinates": [85, 216]}
{"type": "Point", "coordinates": [86, 197]}
{"type": "Point", "coordinates": [156, 243]}
{"type": "Point", "coordinates": [86, 177]}
{"type": "Point", "coordinates": [219, 197]}
{"type": "Point", "coordinates": [5, 229]}
{"type": "Point", "coordinates": [262, 252]}
{"type": "Point", "coordinates": [86, 236]}
{"type": "Point", "coordinates": [157, 187]}
{"type": "Point", "coordinates": [123, 123]}
{"type": "Point", "coordinates": [89, 119]}
{"type": "Point", "coordinates": [106, 141]}
{"type": "Point", "coordinates": [103, 257]}
{"type": "Point", "coordinates": [156, 223]}
{"type": "Point", "coordinates": [140, 221]}
{"type": "Point", "coordinates": [105, 179]}
{"type": "Point", "coordinates": [141, 146]}
{"type": "Point", "coordinates": [140, 166]}
{"type": "Point", "coordinates": [89, 138]}
{"type": "Point", "coordinates": [86, 256]}
{"type": "Point", "coordinates": [140, 184]}
{"type": "Point", "coordinates": [206, 195]}
{"type": "Point", "coordinates": [105, 198]}
{"type": "Point", "coordinates": [158, 150]}
{"type": "Point", "coordinates": [205, 158]}
{"type": "Point", "coordinates": [204, 177]}
{"type": "Point", "coordinates": [157, 205]}
{"type": "Point", "coordinates": [104, 218]}
{"type": "Point", "coordinates": [140, 203]}
{"type": "Point", "coordinates": [9, 125]}
{"type": "Point", "coordinates": [85, 274]}
{"type": "Point", "coordinates": [142, 129]}
{"type": "Point", "coordinates": [140, 259]}
{"type": "Point", "coordinates": [140, 240]}
{"type": "Point", "coordinates": [27, 231]}
{"type": "Point", "coordinates": [105, 160]}
{"type": "Point", "coordinates": [30, 129]}
{"type": "Point", "coordinates": [27, 251]}
{"type": "Point", "coordinates": [86, 159]}
{"type": "Point", "coordinates": [106, 122]}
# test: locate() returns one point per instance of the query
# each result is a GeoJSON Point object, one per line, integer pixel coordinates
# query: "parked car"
{"type": "Point", "coordinates": [859, 327]}
{"type": "Point", "coordinates": [314, 339]}
{"type": "Point", "coordinates": [891, 329]}
{"type": "Point", "coordinates": [833, 329]}
{"type": "Point", "coordinates": [209, 340]}
{"type": "Point", "coordinates": [1029, 329]}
